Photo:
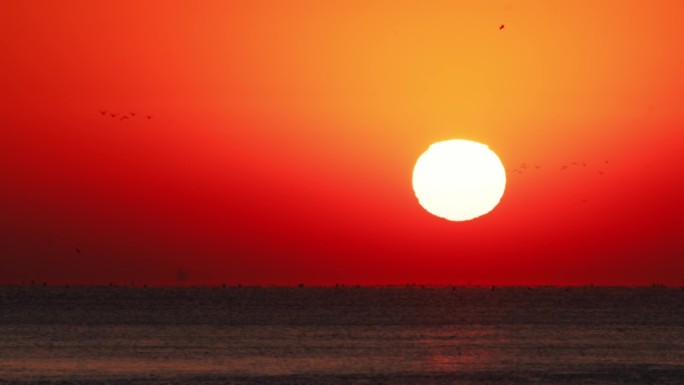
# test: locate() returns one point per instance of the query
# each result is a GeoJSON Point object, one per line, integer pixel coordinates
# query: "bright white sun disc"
{"type": "Point", "coordinates": [459, 179]}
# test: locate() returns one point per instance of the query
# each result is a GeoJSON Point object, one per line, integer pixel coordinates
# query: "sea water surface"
{"type": "Point", "coordinates": [346, 335]}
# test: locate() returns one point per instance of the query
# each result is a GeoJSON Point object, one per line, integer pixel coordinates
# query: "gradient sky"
{"type": "Point", "coordinates": [283, 138]}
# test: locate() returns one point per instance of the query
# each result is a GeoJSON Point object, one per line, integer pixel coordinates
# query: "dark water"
{"type": "Point", "coordinates": [341, 335]}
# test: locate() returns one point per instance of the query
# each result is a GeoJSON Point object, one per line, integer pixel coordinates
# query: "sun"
{"type": "Point", "coordinates": [459, 180]}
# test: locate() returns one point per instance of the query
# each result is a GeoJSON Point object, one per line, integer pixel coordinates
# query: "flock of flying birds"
{"type": "Point", "coordinates": [122, 117]}
{"type": "Point", "coordinates": [525, 167]}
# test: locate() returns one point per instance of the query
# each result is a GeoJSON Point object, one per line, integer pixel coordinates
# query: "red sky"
{"type": "Point", "coordinates": [284, 134]}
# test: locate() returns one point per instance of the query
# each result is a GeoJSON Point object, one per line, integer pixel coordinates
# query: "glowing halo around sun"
{"type": "Point", "coordinates": [459, 180]}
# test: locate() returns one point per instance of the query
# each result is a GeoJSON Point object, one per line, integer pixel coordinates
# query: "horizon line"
{"type": "Point", "coordinates": [332, 286]}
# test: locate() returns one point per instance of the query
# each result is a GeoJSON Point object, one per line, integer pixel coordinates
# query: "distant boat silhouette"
{"type": "Point", "coordinates": [113, 115]}
{"type": "Point", "coordinates": [103, 112]}
{"type": "Point", "coordinates": [501, 27]}
{"type": "Point", "coordinates": [77, 250]}
{"type": "Point", "coordinates": [149, 116]}
{"type": "Point", "coordinates": [133, 114]}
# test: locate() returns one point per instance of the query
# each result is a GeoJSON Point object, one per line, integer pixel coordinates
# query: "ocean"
{"type": "Point", "coordinates": [345, 335]}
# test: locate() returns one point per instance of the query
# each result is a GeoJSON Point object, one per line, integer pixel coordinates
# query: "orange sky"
{"type": "Point", "coordinates": [284, 135]}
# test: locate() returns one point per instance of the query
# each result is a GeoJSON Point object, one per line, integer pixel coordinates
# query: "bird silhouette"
{"type": "Point", "coordinates": [77, 250]}
{"type": "Point", "coordinates": [133, 114]}
{"type": "Point", "coordinates": [124, 117]}
{"type": "Point", "coordinates": [537, 166]}
{"type": "Point", "coordinates": [563, 168]}
{"type": "Point", "coordinates": [103, 112]}
{"type": "Point", "coordinates": [149, 116]}
{"type": "Point", "coordinates": [113, 115]}
{"type": "Point", "coordinates": [601, 172]}
{"type": "Point", "coordinates": [501, 27]}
